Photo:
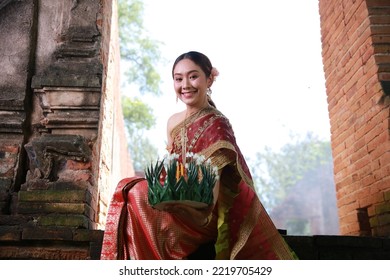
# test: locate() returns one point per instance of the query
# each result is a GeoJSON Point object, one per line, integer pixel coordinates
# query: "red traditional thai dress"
{"type": "Point", "coordinates": [240, 228]}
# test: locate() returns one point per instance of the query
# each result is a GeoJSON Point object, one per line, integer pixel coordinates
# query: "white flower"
{"type": "Point", "coordinates": [171, 157]}
{"type": "Point", "coordinates": [189, 154]}
{"type": "Point", "coordinates": [199, 160]}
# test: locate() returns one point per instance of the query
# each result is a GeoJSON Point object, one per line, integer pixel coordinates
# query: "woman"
{"type": "Point", "coordinates": [235, 226]}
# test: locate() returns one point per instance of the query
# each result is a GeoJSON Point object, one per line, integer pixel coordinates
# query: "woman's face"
{"type": "Point", "coordinates": [190, 83]}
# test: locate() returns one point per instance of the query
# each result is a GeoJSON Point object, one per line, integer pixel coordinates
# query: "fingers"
{"type": "Point", "coordinates": [189, 214]}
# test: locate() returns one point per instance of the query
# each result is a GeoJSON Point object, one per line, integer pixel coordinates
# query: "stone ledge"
{"type": "Point", "coordinates": [325, 247]}
{"type": "Point", "coordinates": [46, 243]}
{"type": "Point", "coordinates": [39, 242]}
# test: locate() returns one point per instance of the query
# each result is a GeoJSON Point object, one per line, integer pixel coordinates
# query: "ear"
{"type": "Point", "coordinates": [209, 82]}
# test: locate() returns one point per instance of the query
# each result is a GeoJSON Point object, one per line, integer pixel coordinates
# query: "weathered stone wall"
{"type": "Point", "coordinates": [17, 47]}
{"type": "Point", "coordinates": [62, 141]}
{"type": "Point", "coordinates": [114, 163]}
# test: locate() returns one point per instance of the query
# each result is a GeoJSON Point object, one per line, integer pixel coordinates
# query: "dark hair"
{"type": "Point", "coordinates": [199, 59]}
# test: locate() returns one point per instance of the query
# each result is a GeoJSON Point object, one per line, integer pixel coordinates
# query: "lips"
{"type": "Point", "coordinates": [188, 94]}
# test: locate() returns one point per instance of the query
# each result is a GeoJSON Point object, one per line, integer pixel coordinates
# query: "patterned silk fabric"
{"type": "Point", "coordinates": [240, 227]}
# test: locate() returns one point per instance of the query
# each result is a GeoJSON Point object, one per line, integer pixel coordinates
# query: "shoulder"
{"type": "Point", "coordinates": [222, 119]}
{"type": "Point", "coordinates": [174, 120]}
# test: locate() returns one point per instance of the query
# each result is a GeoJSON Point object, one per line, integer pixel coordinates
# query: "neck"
{"type": "Point", "coordinates": [195, 109]}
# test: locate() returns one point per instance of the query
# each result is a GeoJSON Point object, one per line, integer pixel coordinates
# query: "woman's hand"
{"type": "Point", "coordinates": [187, 213]}
{"type": "Point", "coordinates": [199, 217]}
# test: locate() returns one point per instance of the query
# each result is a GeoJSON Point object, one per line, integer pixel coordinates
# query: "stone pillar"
{"type": "Point", "coordinates": [67, 89]}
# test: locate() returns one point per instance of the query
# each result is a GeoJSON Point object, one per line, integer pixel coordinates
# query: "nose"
{"type": "Point", "coordinates": [185, 83]}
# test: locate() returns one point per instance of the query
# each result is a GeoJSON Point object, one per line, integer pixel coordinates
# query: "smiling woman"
{"type": "Point", "coordinates": [232, 225]}
{"type": "Point", "coordinates": [271, 82]}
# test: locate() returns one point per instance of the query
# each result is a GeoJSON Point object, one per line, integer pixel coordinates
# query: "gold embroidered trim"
{"type": "Point", "coordinates": [176, 131]}
{"type": "Point", "coordinates": [177, 136]}
{"type": "Point", "coordinates": [221, 159]}
{"type": "Point", "coordinates": [191, 119]}
{"type": "Point", "coordinates": [246, 228]}
{"type": "Point", "coordinates": [222, 144]}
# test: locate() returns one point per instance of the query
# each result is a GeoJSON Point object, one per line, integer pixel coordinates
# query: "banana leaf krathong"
{"type": "Point", "coordinates": [171, 180]}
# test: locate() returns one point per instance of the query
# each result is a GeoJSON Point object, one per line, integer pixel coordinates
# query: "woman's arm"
{"type": "Point", "coordinates": [199, 217]}
{"type": "Point", "coordinates": [169, 136]}
{"type": "Point", "coordinates": [171, 123]}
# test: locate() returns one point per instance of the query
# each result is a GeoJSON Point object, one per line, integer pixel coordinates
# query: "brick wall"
{"type": "Point", "coordinates": [353, 59]}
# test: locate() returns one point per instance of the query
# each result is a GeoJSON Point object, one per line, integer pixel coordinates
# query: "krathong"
{"type": "Point", "coordinates": [173, 181]}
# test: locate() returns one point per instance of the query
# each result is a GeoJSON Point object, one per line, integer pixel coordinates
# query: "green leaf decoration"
{"type": "Point", "coordinates": [196, 184]}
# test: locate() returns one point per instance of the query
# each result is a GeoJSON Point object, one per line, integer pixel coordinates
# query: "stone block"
{"type": "Point", "coordinates": [52, 207]}
{"type": "Point", "coordinates": [44, 184]}
{"type": "Point", "coordinates": [46, 233]}
{"type": "Point", "coordinates": [14, 220]}
{"type": "Point", "coordinates": [56, 98]}
{"type": "Point", "coordinates": [73, 221]}
{"type": "Point", "coordinates": [5, 184]}
{"type": "Point", "coordinates": [49, 154]}
{"type": "Point", "coordinates": [83, 235]}
{"type": "Point", "coordinates": [10, 233]}
{"type": "Point", "coordinates": [74, 175]}
{"type": "Point", "coordinates": [60, 196]}
{"type": "Point", "coordinates": [44, 252]}
{"type": "Point", "coordinates": [67, 80]}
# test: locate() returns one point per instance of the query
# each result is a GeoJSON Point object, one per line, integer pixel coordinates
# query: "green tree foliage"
{"type": "Point", "coordinates": [137, 48]}
{"type": "Point", "coordinates": [138, 118]}
{"type": "Point", "coordinates": [138, 115]}
{"type": "Point", "coordinates": [276, 172]}
{"type": "Point", "coordinates": [141, 55]}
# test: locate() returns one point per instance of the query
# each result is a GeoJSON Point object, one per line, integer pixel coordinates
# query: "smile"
{"type": "Point", "coordinates": [188, 93]}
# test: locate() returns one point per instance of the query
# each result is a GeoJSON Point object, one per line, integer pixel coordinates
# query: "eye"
{"type": "Point", "coordinates": [193, 77]}
{"type": "Point", "coordinates": [178, 79]}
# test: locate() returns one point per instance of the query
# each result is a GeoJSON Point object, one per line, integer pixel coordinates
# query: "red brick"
{"type": "Point", "coordinates": [348, 208]}
{"type": "Point", "coordinates": [380, 186]}
{"type": "Point", "coordinates": [77, 165]}
{"type": "Point", "coordinates": [368, 180]}
{"type": "Point", "coordinates": [377, 139]}
{"type": "Point", "coordinates": [12, 149]}
{"type": "Point", "coordinates": [373, 198]}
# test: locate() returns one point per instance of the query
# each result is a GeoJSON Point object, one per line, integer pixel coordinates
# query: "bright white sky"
{"type": "Point", "coordinates": [268, 54]}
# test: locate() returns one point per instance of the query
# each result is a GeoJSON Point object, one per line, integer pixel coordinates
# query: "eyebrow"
{"type": "Point", "coordinates": [189, 72]}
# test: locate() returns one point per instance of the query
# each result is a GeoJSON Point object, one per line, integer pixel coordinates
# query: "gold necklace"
{"type": "Point", "coordinates": [184, 136]}
{"type": "Point", "coordinates": [184, 139]}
